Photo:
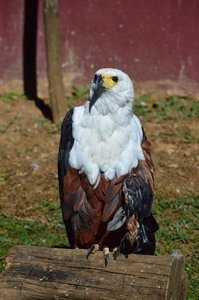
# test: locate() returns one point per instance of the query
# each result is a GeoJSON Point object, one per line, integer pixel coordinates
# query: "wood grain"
{"type": "Point", "coordinates": [52, 273]}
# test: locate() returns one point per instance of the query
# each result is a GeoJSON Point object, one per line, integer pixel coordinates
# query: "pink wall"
{"type": "Point", "coordinates": [148, 39]}
{"type": "Point", "coordinates": [11, 37]}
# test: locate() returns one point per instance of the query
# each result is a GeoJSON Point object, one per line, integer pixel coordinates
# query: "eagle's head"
{"type": "Point", "coordinates": [110, 90]}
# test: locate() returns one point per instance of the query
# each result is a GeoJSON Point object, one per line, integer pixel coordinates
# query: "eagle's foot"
{"type": "Point", "coordinates": [119, 249]}
{"type": "Point", "coordinates": [106, 255]}
{"type": "Point", "coordinates": [129, 243]}
{"type": "Point", "coordinates": [92, 250]}
{"type": "Point", "coordinates": [115, 252]}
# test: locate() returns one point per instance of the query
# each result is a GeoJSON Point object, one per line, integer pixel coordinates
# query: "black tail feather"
{"type": "Point", "coordinates": [148, 246]}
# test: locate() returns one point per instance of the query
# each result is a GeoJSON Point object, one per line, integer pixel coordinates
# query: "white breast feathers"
{"type": "Point", "coordinates": [105, 143]}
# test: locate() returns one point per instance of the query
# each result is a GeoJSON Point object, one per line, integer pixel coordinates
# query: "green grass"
{"type": "Point", "coordinates": [192, 271]}
{"type": "Point", "coordinates": [12, 96]}
{"type": "Point", "coordinates": [5, 173]}
{"type": "Point", "coordinates": [14, 231]}
{"type": "Point", "coordinates": [47, 125]}
{"type": "Point", "coordinates": [172, 108]}
{"type": "Point", "coordinates": [4, 128]}
{"type": "Point", "coordinates": [187, 137]}
{"type": "Point", "coordinates": [8, 96]}
{"type": "Point", "coordinates": [178, 220]}
{"type": "Point", "coordinates": [78, 92]}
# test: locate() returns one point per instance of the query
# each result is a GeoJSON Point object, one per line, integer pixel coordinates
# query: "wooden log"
{"type": "Point", "coordinates": [52, 273]}
{"type": "Point", "coordinates": [53, 51]}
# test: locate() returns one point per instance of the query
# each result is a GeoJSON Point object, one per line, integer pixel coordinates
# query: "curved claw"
{"type": "Point", "coordinates": [93, 249]}
{"type": "Point", "coordinates": [106, 255]}
{"type": "Point", "coordinates": [106, 260]}
{"type": "Point", "coordinates": [90, 251]}
{"type": "Point", "coordinates": [119, 248]}
{"type": "Point", "coordinates": [115, 255]}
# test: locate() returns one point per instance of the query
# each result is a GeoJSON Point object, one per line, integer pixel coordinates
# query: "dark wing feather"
{"type": "Point", "coordinates": [66, 143]}
{"type": "Point", "coordinates": [138, 189]}
{"type": "Point", "coordinates": [140, 197]}
{"type": "Point", "coordinates": [144, 135]}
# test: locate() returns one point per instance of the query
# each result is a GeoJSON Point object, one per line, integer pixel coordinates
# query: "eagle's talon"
{"type": "Point", "coordinates": [106, 260]}
{"type": "Point", "coordinates": [115, 253]}
{"type": "Point", "coordinates": [90, 251]}
{"type": "Point", "coordinates": [93, 249]}
{"type": "Point", "coordinates": [106, 255]}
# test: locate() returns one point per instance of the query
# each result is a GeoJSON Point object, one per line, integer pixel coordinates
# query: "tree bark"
{"type": "Point", "coordinates": [53, 51]}
{"type": "Point", "coordinates": [51, 273]}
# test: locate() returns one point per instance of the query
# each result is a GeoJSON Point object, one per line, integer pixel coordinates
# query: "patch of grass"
{"type": "Point", "coordinates": [187, 137]}
{"type": "Point", "coordinates": [48, 126]}
{"type": "Point", "coordinates": [192, 271]}
{"type": "Point", "coordinates": [4, 128]}
{"type": "Point", "coordinates": [5, 174]}
{"type": "Point", "coordinates": [32, 149]}
{"type": "Point", "coordinates": [21, 232]}
{"type": "Point", "coordinates": [23, 96]}
{"type": "Point", "coordinates": [52, 210]}
{"type": "Point", "coordinates": [9, 96]}
{"type": "Point", "coordinates": [178, 221]}
{"type": "Point", "coordinates": [20, 150]}
{"type": "Point", "coordinates": [12, 96]}
{"type": "Point", "coordinates": [166, 135]}
{"type": "Point", "coordinates": [78, 92]}
{"type": "Point", "coordinates": [142, 108]}
{"type": "Point", "coordinates": [168, 109]}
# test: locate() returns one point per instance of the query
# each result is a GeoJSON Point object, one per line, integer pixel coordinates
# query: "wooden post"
{"type": "Point", "coordinates": [51, 273]}
{"type": "Point", "coordinates": [53, 51]}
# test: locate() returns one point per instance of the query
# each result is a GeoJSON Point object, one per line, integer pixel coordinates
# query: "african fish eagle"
{"type": "Point", "coordinates": [106, 171]}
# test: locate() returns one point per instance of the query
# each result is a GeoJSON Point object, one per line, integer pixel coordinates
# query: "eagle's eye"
{"type": "Point", "coordinates": [95, 78]}
{"type": "Point", "coordinates": [115, 78]}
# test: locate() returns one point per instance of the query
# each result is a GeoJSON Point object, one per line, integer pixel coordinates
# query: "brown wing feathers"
{"type": "Point", "coordinates": [146, 148]}
{"type": "Point", "coordinates": [83, 202]}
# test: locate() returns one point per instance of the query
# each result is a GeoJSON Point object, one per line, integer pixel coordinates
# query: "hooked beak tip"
{"type": "Point", "coordinates": [98, 81]}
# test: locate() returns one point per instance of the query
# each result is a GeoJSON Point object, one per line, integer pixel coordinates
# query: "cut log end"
{"type": "Point", "coordinates": [52, 273]}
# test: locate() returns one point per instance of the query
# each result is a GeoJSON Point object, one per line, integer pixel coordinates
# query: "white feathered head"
{"type": "Point", "coordinates": [111, 89]}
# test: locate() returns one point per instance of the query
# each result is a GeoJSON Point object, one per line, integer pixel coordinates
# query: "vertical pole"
{"type": "Point", "coordinates": [53, 51]}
